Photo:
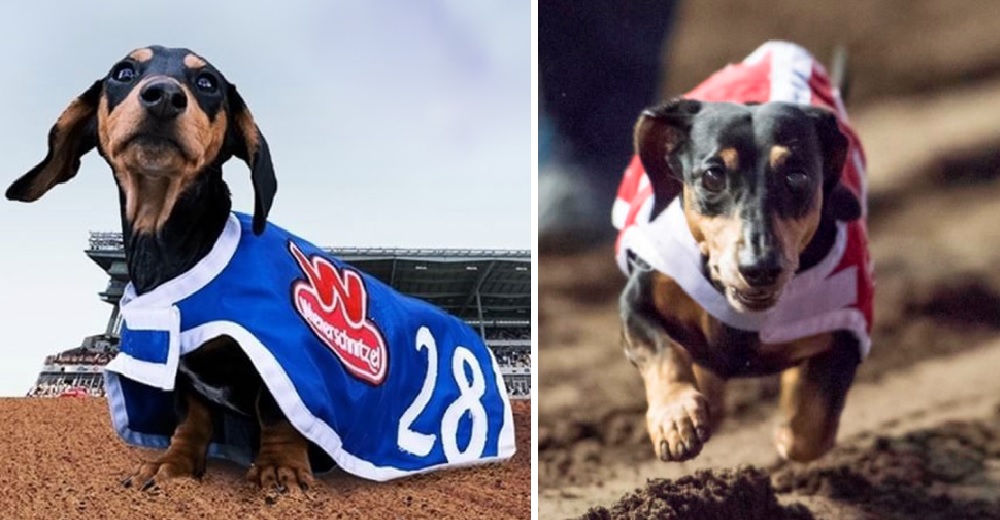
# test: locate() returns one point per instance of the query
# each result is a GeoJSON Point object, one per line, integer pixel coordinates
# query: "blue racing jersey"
{"type": "Point", "coordinates": [382, 384]}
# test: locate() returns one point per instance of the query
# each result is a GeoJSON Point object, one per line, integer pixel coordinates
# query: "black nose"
{"type": "Point", "coordinates": [762, 273]}
{"type": "Point", "coordinates": [163, 99]}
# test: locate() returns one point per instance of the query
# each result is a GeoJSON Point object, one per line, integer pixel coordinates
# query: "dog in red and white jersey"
{"type": "Point", "coordinates": [742, 234]}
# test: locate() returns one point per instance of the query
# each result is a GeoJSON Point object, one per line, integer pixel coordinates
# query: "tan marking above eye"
{"type": "Point", "coordinates": [779, 154]}
{"type": "Point", "coordinates": [141, 55]}
{"type": "Point", "coordinates": [731, 158]}
{"type": "Point", "coordinates": [193, 61]}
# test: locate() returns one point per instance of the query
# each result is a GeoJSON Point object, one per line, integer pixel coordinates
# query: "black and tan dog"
{"type": "Point", "coordinates": [741, 236]}
{"type": "Point", "coordinates": [166, 120]}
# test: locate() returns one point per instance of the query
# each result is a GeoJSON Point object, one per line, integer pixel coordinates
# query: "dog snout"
{"type": "Point", "coordinates": [163, 99]}
{"type": "Point", "coordinates": [761, 271]}
{"type": "Point", "coordinates": [758, 259]}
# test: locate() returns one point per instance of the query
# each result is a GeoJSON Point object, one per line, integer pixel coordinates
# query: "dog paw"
{"type": "Point", "coordinates": [150, 476]}
{"type": "Point", "coordinates": [801, 448]}
{"type": "Point", "coordinates": [280, 475]}
{"type": "Point", "coordinates": [679, 427]}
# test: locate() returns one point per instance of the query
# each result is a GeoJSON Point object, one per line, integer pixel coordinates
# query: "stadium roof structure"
{"type": "Point", "coordinates": [487, 286]}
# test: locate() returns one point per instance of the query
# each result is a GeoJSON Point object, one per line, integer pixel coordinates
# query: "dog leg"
{"type": "Point", "coordinates": [812, 398]}
{"type": "Point", "coordinates": [283, 459]}
{"type": "Point", "coordinates": [677, 418]}
{"type": "Point", "coordinates": [188, 445]}
{"type": "Point", "coordinates": [678, 415]}
{"type": "Point", "coordinates": [713, 388]}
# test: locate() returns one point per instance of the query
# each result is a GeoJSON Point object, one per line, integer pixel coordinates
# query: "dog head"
{"type": "Point", "coordinates": [755, 180]}
{"type": "Point", "coordinates": [161, 118]}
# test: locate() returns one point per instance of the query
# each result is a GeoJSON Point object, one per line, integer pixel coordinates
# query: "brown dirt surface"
{"type": "Point", "coordinates": [60, 458]}
{"type": "Point", "coordinates": [942, 473]}
{"type": "Point", "coordinates": [745, 493]}
{"type": "Point", "coordinates": [947, 472]}
{"type": "Point", "coordinates": [926, 89]}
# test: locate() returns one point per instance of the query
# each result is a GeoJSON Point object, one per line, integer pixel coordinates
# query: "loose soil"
{"type": "Point", "coordinates": [60, 458]}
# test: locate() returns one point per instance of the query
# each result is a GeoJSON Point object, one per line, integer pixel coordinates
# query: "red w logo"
{"type": "Point", "coordinates": [334, 303]}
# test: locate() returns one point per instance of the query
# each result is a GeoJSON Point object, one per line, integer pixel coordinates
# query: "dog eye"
{"type": "Point", "coordinates": [205, 83]}
{"type": "Point", "coordinates": [797, 181]}
{"type": "Point", "coordinates": [713, 179]}
{"type": "Point", "coordinates": [123, 72]}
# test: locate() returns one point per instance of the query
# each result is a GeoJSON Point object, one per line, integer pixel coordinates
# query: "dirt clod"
{"type": "Point", "coordinates": [936, 473]}
{"type": "Point", "coordinates": [745, 493]}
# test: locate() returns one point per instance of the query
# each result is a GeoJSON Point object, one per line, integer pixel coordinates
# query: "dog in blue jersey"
{"type": "Point", "coordinates": [240, 340]}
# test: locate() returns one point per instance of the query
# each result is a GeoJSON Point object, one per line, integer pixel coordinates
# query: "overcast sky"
{"type": "Point", "coordinates": [395, 123]}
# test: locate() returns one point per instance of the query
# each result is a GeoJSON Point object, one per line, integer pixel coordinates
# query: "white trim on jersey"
{"type": "Point", "coordinates": [668, 246]}
{"type": "Point", "coordinates": [619, 213]}
{"type": "Point", "coordinates": [166, 320]}
{"type": "Point", "coordinates": [294, 409]}
{"type": "Point", "coordinates": [791, 68]}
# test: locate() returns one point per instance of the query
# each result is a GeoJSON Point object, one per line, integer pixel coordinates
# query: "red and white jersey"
{"type": "Point", "coordinates": [837, 293]}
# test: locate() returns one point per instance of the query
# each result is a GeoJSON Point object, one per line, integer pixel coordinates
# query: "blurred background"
{"type": "Point", "coordinates": [925, 99]}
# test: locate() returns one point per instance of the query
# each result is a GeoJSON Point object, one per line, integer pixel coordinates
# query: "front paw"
{"type": "Point", "coordinates": [678, 426]}
{"type": "Point", "coordinates": [281, 471]}
{"type": "Point", "coordinates": [151, 475]}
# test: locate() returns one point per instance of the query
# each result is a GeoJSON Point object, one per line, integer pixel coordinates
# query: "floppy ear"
{"type": "Point", "coordinates": [838, 199]}
{"type": "Point", "coordinates": [73, 135]}
{"type": "Point", "coordinates": [252, 148]}
{"type": "Point", "coordinates": [660, 133]}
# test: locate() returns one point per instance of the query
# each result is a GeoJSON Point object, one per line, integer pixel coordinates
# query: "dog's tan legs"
{"type": "Point", "coordinates": [807, 429]}
{"type": "Point", "coordinates": [283, 460]}
{"type": "Point", "coordinates": [713, 388]}
{"type": "Point", "coordinates": [677, 418]}
{"type": "Point", "coordinates": [812, 398]}
{"type": "Point", "coordinates": [188, 447]}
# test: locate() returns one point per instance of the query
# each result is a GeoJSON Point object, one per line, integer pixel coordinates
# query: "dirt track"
{"type": "Point", "coordinates": [60, 458]}
{"type": "Point", "coordinates": [936, 340]}
{"type": "Point", "coordinates": [933, 149]}
{"type": "Point", "coordinates": [935, 355]}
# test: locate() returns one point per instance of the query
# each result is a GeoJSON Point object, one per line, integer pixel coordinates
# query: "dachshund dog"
{"type": "Point", "coordinates": [258, 345]}
{"type": "Point", "coordinates": [166, 120]}
{"type": "Point", "coordinates": [742, 237]}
